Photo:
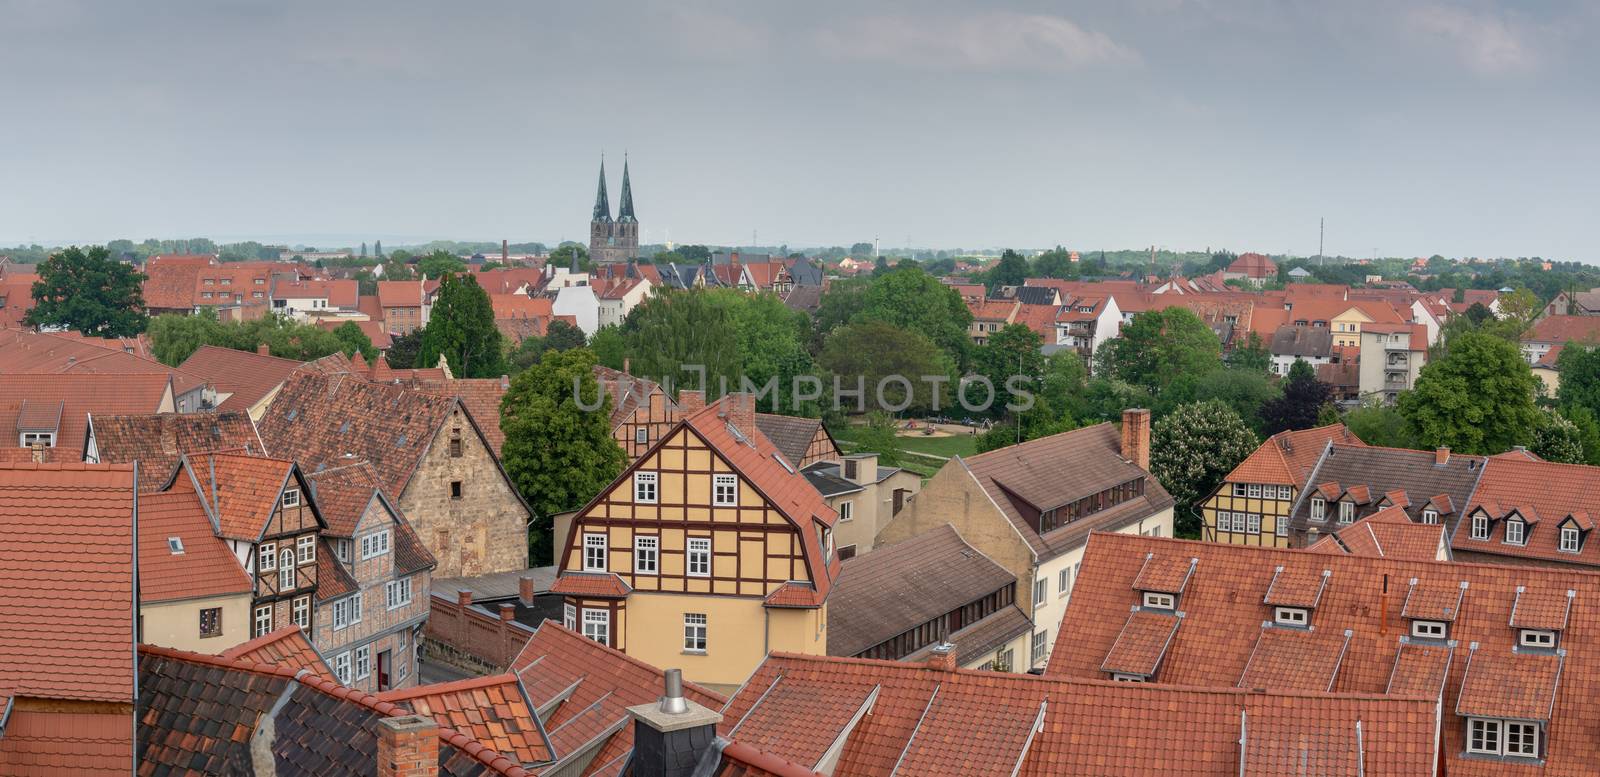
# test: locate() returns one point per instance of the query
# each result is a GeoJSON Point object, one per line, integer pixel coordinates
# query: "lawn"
{"type": "Point", "coordinates": [943, 447]}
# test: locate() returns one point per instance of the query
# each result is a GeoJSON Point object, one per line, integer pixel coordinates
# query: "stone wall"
{"type": "Point", "coordinates": [483, 530]}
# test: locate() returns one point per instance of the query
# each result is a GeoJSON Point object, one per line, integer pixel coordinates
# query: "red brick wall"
{"type": "Point", "coordinates": [471, 634]}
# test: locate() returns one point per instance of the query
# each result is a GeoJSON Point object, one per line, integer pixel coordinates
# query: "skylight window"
{"type": "Point", "coordinates": [175, 545]}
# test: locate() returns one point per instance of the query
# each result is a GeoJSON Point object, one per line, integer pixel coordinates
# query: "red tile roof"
{"type": "Point", "coordinates": [493, 710]}
{"type": "Point", "coordinates": [1223, 611]}
{"type": "Point", "coordinates": [1287, 458]}
{"type": "Point", "coordinates": [372, 328]}
{"type": "Point", "coordinates": [1254, 266]}
{"type": "Point", "coordinates": [240, 490]}
{"type": "Point", "coordinates": [66, 599]}
{"type": "Point", "coordinates": [203, 566]}
{"type": "Point", "coordinates": [170, 286]}
{"type": "Point", "coordinates": [287, 647]}
{"type": "Point", "coordinates": [1390, 532]}
{"type": "Point", "coordinates": [157, 440]}
{"type": "Point", "coordinates": [47, 743]}
{"type": "Point", "coordinates": [400, 294]}
{"type": "Point", "coordinates": [1562, 329]}
{"type": "Point", "coordinates": [595, 584]}
{"type": "Point", "coordinates": [73, 397]}
{"type": "Point", "coordinates": [338, 293]}
{"type": "Point", "coordinates": [927, 721]}
{"type": "Point", "coordinates": [482, 398]}
{"type": "Point", "coordinates": [246, 376]}
{"type": "Point", "coordinates": [1535, 489]}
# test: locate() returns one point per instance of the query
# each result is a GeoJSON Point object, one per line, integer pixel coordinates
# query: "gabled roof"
{"type": "Point", "coordinates": [201, 565]}
{"type": "Point", "coordinates": [931, 721]}
{"type": "Point", "coordinates": [1254, 266]}
{"type": "Point", "coordinates": [205, 714]}
{"type": "Point", "coordinates": [246, 376]}
{"type": "Point", "coordinates": [1223, 612]}
{"type": "Point", "coordinates": [791, 434]}
{"type": "Point", "coordinates": [67, 353]}
{"type": "Point", "coordinates": [1315, 342]}
{"type": "Point", "coordinates": [1536, 490]}
{"type": "Point", "coordinates": [400, 294]}
{"type": "Point", "coordinates": [1057, 470]}
{"type": "Point", "coordinates": [582, 690]}
{"type": "Point", "coordinates": [72, 398]}
{"type": "Point", "coordinates": [629, 392]}
{"type": "Point", "coordinates": [240, 491]}
{"type": "Point", "coordinates": [899, 587]}
{"type": "Point", "coordinates": [1286, 458]}
{"type": "Point", "coordinates": [481, 396]}
{"type": "Point", "coordinates": [1390, 532]}
{"type": "Point", "coordinates": [287, 647]}
{"type": "Point", "coordinates": [492, 709]}
{"type": "Point", "coordinates": [157, 440]}
{"type": "Point", "coordinates": [67, 598]}
{"type": "Point", "coordinates": [1356, 468]}
{"type": "Point", "coordinates": [1563, 329]}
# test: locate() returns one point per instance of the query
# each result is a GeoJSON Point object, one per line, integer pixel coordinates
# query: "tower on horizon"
{"type": "Point", "coordinates": [613, 240]}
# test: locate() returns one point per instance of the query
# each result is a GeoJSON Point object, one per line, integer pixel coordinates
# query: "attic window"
{"type": "Point", "coordinates": [1290, 616]}
{"type": "Point", "coordinates": [175, 545]}
{"type": "Point", "coordinates": [1430, 516]}
{"type": "Point", "coordinates": [46, 439]}
{"type": "Point", "coordinates": [1516, 532]}
{"type": "Point", "coordinates": [1570, 539]}
{"type": "Point", "coordinates": [400, 442]}
{"type": "Point", "coordinates": [291, 497]}
{"type": "Point", "coordinates": [1347, 512]}
{"type": "Point", "coordinates": [1536, 638]}
{"type": "Point", "coordinates": [294, 412]}
{"type": "Point", "coordinates": [1429, 629]}
{"type": "Point", "coordinates": [1159, 601]}
{"type": "Point", "coordinates": [1319, 509]}
{"type": "Point", "coordinates": [1480, 525]}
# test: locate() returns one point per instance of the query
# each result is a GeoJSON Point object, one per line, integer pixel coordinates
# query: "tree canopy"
{"type": "Point", "coordinates": [1157, 346]}
{"type": "Point", "coordinates": [1191, 449]}
{"type": "Point", "coordinates": [1478, 399]}
{"type": "Point", "coordinates": [914, 300]}
{"type": "Point", "coordinates": [876, 350]}
{"type": "Point", "coordinates": [87, 291]}
{"type": "Point", "coordinates": [461, 329]}
{"type": "Point", "coordinates": [1300, 406]}
{"type": "Point", "coordinates": [174, 337]}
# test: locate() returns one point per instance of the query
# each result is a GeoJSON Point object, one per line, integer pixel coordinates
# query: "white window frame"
{"type": "Point", "coordinates": [725, 490]}
{"type": "Point", "coordinates": [597, 625]}
{"type": "Point", "coordinates": [341, 667]}
{"type": "Point", "coordinates": [641, 436]}
{"type": "Point", "coordinates": [1285, 492]}
{"type": "Point", "coordinates": [286, 569]}
{"type": "Point", "coordinates": [695, 631]}
{"type": "Point", "coordinates": [594, 552]}
{"type": "Point", "coordinates": [1224, 520]}
{"type": "Point", "coordinates": [261, 626]}
{"type": "Point", "coordinates": [1280, 526]}
{"type": "Point", "coordinates": [1536, 638]}
{"type": "Point", "coordinates": [1347, 511]}
{"type": "Point", "coordinates": [1422, 629]}
{"type": "Point", "coordinates": [363, 661]}
{"type": "Point", "coordinates": [1156, 600]}
{"type": "Point", "coordinates": [346, 612]}
{"type": "Point", "coordinates": [1064, 581]}
{"type": "Point", "coordinates": [1252, 523]}
{"type": "Point", "coordinates": [1521, 532]}
{"type": "Point", "coordinates": [1291, 616]}
{"type": "Point", "coordinates": [847, 510]}
{"type": "Point", "coordinates": [1253, 490]}
{"type": "Point", "coordinates": [397, 593]}
{"type": "Point", "coordinates": [28, 439]}
{"type": "Point", "coordinates": [647, 555]}
{"type": "Point", "coordinates": [1571, 539]}
{"type": "Point", "coordinates": [698, 555]}
{"type": "Point", "coordinates": [1430, 516]}
{"type": "Point", "coordinates": [374, 544]}
{"type": "Point", "coordinates": [306, 548]}
{"type": "Point", "coordinates": [341, 549]}
{"type": "Point", "coordinates": [1238, 489]}
{"type": "Point", "coordinates": [1041, 592]}
{"type": "Point", "coordinates": [646, 487]}
{"type": "Point", "coordinates": [569, 617]}
{"type": "Point", "coordinates": [1319, 509]}
{"type": "Point", "coordinates": [267, 557]}
{"type": "Point", "coordinates": [301, 611]}
{"type": "Point", "coordinates": [1480, 526]}
{"type": "Point", "coordinates": [291, 497]}
{"type": "Point", "coordinates": [1038, 646]}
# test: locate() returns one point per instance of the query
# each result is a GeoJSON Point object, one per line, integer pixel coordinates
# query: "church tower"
{"type": "Point", "coordinates": [613, 241]}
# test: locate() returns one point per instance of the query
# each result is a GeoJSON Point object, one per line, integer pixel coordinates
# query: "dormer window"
{"type": "Point", "coordinates": [1347, 512]}
{"type": "Point", "coordinates": [1159, 601]}
{"type": "Point", "coordinates": [43, 439]}
{"type": "Point", "coordinates": [1480, 525]}
{"type": "Point", "coordinates": [1430, 516]}
{"type": "Point", "coordinates": [1536, 638]}
{"type": "Point", "coordinates": [1319, 509]}
{"type": "Point", "coordinates": [1430, 629]}
{"type": "Point", "coordinates": [1290, 616]}
{"type": "Point", "coordinates": [1516, 532]}
{"type": "Point", "coordinates": [1570, 539]}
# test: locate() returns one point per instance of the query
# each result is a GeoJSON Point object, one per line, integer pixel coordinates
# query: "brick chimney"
{"type": "Point", "coordinates": [691, 402]}
{"type": "Point", "coordinates": [263, 350]}
{"type": "Point", "coordinates": [1136, 436]}
{"type": "Point", "coordinates": [508, 612]}
{"type": "Point", "coordinates": [408, 746]}
{"type": "Point", "coordinates": [943, 658]}
{"type": "Point", "coordinates": [505, 251]}
{"type": "Point", "coordinates": [1441, 456]}
{"type": "Point", "coordinates": [670, 736]}
{"type": "Point", "coordinates": [464, 598]}
{"type": "Point", "coordinates": [739, 410]}
{"type": "Point", "coordinates": [525, 591]}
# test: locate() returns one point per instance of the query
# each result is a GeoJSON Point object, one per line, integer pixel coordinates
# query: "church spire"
{"type": "Point", "coordinates": [625, 213]}
{"type": "Point", "coordinates": [602, 206]}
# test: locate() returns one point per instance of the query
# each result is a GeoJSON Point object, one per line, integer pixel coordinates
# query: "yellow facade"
{"type": "Point", "coordinates": [1248, 515]}
{"type": "Point", "coordinates": [177, 624]}
{"type": "Point", "coordinates": [753, 551]}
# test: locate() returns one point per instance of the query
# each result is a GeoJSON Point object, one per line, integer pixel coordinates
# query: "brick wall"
{"type": "Point", "coordinates": [482, 531]}
{"type": "Point", "coordinates": [471, 639]}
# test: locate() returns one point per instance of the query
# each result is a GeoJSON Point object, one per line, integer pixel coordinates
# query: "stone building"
{"type": "Point", "coordinates": [430, 455]}
{"type": "Point", "coordinates": [613, 240]}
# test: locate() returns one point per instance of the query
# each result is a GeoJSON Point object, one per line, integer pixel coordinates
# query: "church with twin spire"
{"type": "Point", "coordinates": [613, 240]}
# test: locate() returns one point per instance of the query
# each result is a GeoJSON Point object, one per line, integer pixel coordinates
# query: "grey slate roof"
{"type": "Point", "coordinates": [805, 273]}
{"type": "Point", "coordinates": [804, 298]}
{"type": "Point", "coordinates": [826, 478]}
{"type": "Point", "coordinates": [1310, 341]}
{"type": "Point", "coordinates": [791, 434]}
{"type": "Point", "coordinates": [1382, 470]}
{"type": "Point", "coordinates": [1035, 295]}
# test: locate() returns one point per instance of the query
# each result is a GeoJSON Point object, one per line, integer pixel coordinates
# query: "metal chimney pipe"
{"type": "Point", "coordinates": [673, 703]}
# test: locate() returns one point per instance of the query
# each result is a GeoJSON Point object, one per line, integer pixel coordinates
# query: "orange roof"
{"type": "Point", "coordinates": [71, 398]}
{"type": "Point", "coordinates": [1041, 319]}
{"type": "Point", "coordinates": [170, 286]}
{"type": "Point", "coordinates": [1286, 458]}
{"type": "Point", "coordinates": [199, 565]}
{"type": "Point", "coordinates": [930, 721]}
{"type": "Point", "coordinates": [493, 710]}
{"type": "Point", "coordinates": [1254, 266]}
{"type": "Point", "coordinates": [246, 376]}
{"type": "Point", "coordinates": [1223, 611]}
{"type": "Point", "coordinates": [400, 294]}
{"type": "Point", "coordinates": [339, 293]}
{"type": "Point", "coordinates": [66, 600]}
{"type": "Point", "coordinates": [597, 584]}
{"type": "Point", "coordinates": [520, 306]}
{"type": "Point", "coordinates": [1390, 532]}
{"type": "Point", "coordinates": [22, 351]}
{"type": "Point", "coordinates": [157, 440]}
{"type": "Point", "coordinates": [46, 742]}
{"type": "Point", "coordinates": [287, 647]}
{"type": "Point", "coordinates": [1563, 329]}
{"type": "Point", "coordinates": [994, 310]}
{"type": "Point", "coordinates": [1558, 493]}
{"type": "Point", "coordinates": [240, 490]}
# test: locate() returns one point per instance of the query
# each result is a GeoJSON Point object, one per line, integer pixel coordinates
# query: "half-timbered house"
{"type": "Point", "coordinates": [708, 552]}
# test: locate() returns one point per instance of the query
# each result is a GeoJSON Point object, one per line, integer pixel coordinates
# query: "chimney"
{"type": "Point", "coordinates": [263, 350]}
{"type": "Point", "coordinates": [1441, 456]}
{"type": "Point", "coordinates": [691, 402]}
{"type": "Point", "coordinates": [671, 736]}
{"type": "Point", "coordinates": [625, 363]}
{"type": "Point", "coordinates": [1136, 437]}
{"type": "Point", "coordinates": [505, 251]}
{"type": "Point", "coordinates": [508, 612]}
{"type": "Point", "coordinates": [408, 746]}
{"type": "Point", "coordinates": [525, 591]}
{"type": "Point", "coordinates": [464, 597]}
{"type": "Point", "coordinates": [861, 468]}
{"type": "Point", "coordinates": [943, 658]}
{"type": "Point", "coordinates": [740, 411]}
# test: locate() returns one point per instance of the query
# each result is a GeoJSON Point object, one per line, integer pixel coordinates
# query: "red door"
{"type": "Point", "coordinates": [383, 671]}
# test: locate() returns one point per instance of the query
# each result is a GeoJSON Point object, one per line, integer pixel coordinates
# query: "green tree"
{"type": "Point", "coordinates": [869, 353]}
{"type": "Point", "coordinates": [1579, 368]}
{"type": "Point", "coordinates": [461, 329]}
{"type": "Point", "coordinates": [1191, 450]}
{"type": "Point", "coordinates": [1477, 313]}
{"type": "Point", "coordinates": [841, 302]}
{"type": "Point", "coordinates": [562, 257]}
{"type": "Point", "coordinates": [559, 336]}
{"type": "Point", "coordinates": [558, 454]}
{"type": "Point", "coordinates": [880, 436]}
{"type": "Point", "coordinates": [609, 346]}
{"type": "Point", "coordinates": [1247, 392]}
{"type": "Point", "coordinates": [1011, 270]}
{"type": "Point", "coordinates": [174, 337]}
{"type": "Point", "coordinates": [1055, 263]}
{"type": "Point", "coordinates": [1302, 402]}
{"type": "Point", "coordinates": [1159, 345]}
{"type": "Point", "coordinates": [404, 349]}
{"type": "Point", "coordinates": [1588, 426]}
{"type": "Point", "coordinates": [1375, 423]}
{"type": "Point", "coordinates": [1478, 399]}
{"type": "Point", "coordinates": [440, 263]}
{"type": "Point", "coordinates": [1253, 355]}
{"type": "Point", "coordinates": [912, 299]}
{"type": "Point", "coordinates": [683, 327]}
{"type": "Point", "coordinates": [355, 340]}
{"type": "Point", "coordinates": [1558, 440]}
{"type": "Point", "coordinates": [1012, 351]}
{"type": "Point", "coordinates": [377, 248]}
{"type": "Point", "coordinates": [88, 292]}
{"type": "Point", "coordinates": [772, 344]}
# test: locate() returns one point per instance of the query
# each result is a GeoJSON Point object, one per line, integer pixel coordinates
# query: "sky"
{"type": "Point", "coordinates": [1411, 127]}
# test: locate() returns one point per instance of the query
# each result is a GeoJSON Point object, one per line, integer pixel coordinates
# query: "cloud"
{"type": "Point", "coordinates": [992, 41]}
{"type": "Point", "coordinates": [1486, 43]}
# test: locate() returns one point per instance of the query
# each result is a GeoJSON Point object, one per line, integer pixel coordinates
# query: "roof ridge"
{"type": "Point", "coordinates": [269, 638]}
{"type": "Point", "coordinates": [451, 686]}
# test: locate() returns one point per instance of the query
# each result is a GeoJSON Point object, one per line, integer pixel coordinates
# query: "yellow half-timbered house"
{"type": "Point", "coordinates": [1254, 503]}
{"type": "Point", "coordinates": [708, 552]}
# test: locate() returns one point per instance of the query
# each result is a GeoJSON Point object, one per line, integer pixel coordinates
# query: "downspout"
{"type": "Point", "coordinates": [134, 723]}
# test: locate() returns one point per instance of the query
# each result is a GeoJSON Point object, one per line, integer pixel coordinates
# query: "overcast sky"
{"type": "Point", "coordinates": [1413, 127]}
